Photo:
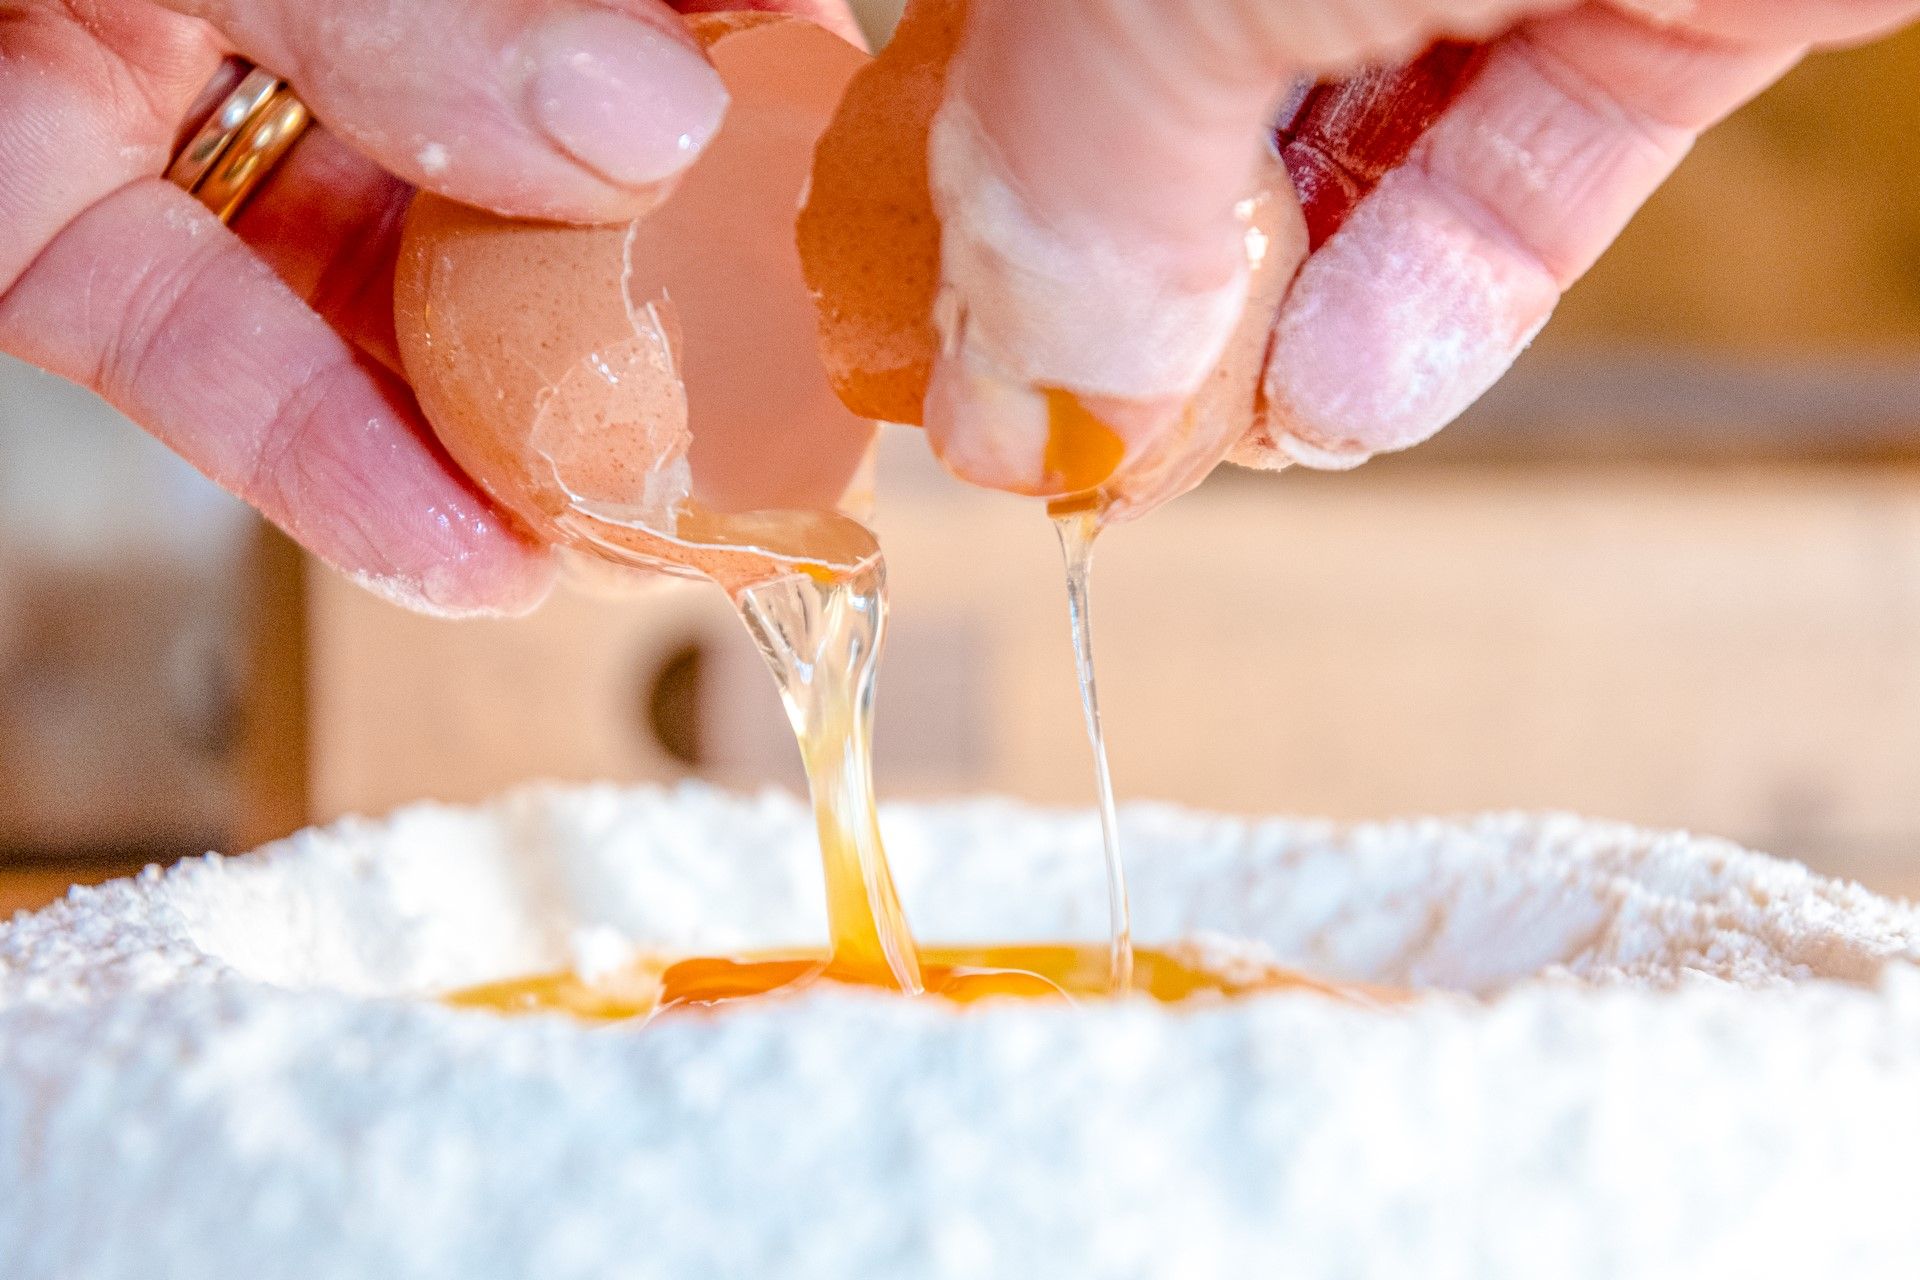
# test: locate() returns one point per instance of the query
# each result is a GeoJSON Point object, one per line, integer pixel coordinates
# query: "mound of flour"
{"type": "Point", "coordinates": [1644, 1055]}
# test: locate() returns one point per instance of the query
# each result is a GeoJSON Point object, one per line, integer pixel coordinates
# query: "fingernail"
{"type": "Point", "coordinates": [1344, 456]}
{"type": "Point", "coordinates": [631, 102]}
{"type": "Point", "coordinates": [447, 593]}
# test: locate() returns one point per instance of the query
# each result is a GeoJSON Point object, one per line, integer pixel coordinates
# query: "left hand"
{"type": "Point", "coordinates": [264, 353]}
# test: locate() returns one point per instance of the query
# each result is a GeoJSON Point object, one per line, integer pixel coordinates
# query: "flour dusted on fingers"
{"type": "Point", "coordinates": [1397, 324]}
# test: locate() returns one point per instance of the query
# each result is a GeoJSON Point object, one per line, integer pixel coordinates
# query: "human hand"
{"type": "Point", "coordinates": [264, 353]}
{"type": "Point", "coordinates": [1092, 151]}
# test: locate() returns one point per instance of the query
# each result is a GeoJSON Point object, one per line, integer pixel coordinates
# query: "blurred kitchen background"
{"type": "Point", "coordinates": [1668, 572]}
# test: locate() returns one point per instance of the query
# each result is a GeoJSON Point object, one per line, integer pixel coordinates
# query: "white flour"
{"type": "Point", "coordinates": [1683, 1060]}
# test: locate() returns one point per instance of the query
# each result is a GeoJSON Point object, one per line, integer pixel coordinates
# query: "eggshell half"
{"type": "Point", "coordinates": [649, 383]}
{"type": "Point", "coordinates": [870, 246]}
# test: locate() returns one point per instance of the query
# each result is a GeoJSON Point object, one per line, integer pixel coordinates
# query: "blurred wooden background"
{"type": "Point", "coordinates": [1669, 572]}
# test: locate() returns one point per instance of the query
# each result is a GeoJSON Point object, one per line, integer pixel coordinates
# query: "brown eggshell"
{"type": "Point", "coordinates": [869, 241]}
{"type": "Point", "coordinates": [605, 373]}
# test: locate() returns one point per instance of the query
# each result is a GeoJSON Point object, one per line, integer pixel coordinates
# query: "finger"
{"type": "Point", "coordinates": [328, 223]}
{"type": "Point", "coordinates": [582, 110]}
{"type": "Point", "coordinates": [150, 302]}
{"type": "Point", "coordinates": [86, 109]}
{"type": "Point", "coordinates": [1086, 166]}
{"type": "Point", "coordinates": [1444, 274]}
{"type": "Point", "coordinates": [1821, 23]}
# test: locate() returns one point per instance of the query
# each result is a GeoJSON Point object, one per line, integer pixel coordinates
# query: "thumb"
{"type": "Point", "coordinates": [1085, 167]}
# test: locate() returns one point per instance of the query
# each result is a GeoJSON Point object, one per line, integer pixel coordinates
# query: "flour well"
{"type": "Point", "coordinates": [1660, 1056]}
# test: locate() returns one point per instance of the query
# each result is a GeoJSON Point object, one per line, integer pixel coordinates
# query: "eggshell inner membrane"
{"type": "Point", "coordinates": [639, 390]}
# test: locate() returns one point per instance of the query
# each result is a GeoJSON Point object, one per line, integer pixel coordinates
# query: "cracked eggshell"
{"type": "Point", "coordinates": [870, 241]}
{"type": "Point", "coordinates": [671, 358]}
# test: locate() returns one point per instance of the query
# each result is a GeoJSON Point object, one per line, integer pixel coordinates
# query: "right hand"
{"type": "Point", "coordinates": [1125, 130]}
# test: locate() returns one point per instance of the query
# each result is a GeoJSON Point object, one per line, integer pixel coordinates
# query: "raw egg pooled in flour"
{"type": "Point", "coordinates": [653, 391]}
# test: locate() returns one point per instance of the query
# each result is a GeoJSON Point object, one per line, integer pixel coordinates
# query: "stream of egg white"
{"type": "Point", "coordinates": [821, 634]}
{"type": "Point", "coordinates": [820, 625]}
{"type": "Point", "coordinates": [1077, 531]}
{"type": "Point", "coordinates": [820, 629]}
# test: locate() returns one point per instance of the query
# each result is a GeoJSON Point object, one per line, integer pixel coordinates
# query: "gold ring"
{"type": "Point", "coordinates": [230, 155]}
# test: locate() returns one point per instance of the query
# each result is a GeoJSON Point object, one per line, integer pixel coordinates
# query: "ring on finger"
{"type": "Point", "coordinates": [235, 151]}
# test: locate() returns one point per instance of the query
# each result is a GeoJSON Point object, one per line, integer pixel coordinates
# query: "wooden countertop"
{"type": "Point", "coordinates": [28, 888]}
